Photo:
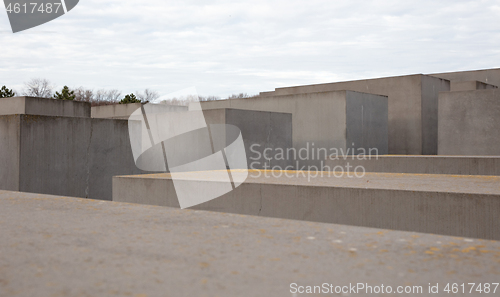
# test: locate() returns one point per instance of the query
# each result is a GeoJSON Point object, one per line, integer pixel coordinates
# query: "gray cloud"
{"type": "Point", "coordinates": [225, 47]}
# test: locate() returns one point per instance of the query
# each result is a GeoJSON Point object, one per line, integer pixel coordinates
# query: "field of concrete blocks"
{"type": "Point", "coordinates": [415, 157]}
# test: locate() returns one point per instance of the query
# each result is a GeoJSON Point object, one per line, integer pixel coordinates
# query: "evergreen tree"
{"type": "Point", "coordinates": [6, 93]}
{"type": "Point", "coordinates": [65, 94]}
{"type": "Point", "coordinates": [130, 99]}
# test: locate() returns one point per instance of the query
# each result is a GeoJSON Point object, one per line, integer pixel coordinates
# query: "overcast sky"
{"type": "Point", "coordinates": [225, 47]}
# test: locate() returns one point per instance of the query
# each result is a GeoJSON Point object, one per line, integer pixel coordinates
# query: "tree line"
{"type": "Point", "coordinates": [39, 87]}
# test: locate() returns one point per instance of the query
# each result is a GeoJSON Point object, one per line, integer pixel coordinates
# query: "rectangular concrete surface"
{"type": "Point", "coordinates": [489, 76]}
{"type": "Point", "coordinates": [413, 101]}
{"type": "Point", "coordinates": [184, 139]}
{"type": "Point", "coordinates": [441, 204]}
{"type": "Point", "coordinates": [123, 111]}
{"type": "Point", "coordinates": [72, 156]}
{"type": "Point", "coordinates": [260, 130]}
{"type": "Point", "coordinates": [469, 123]}
{"type": "Point", "coordinates": [324, 121]}
{"type": "Point", "coordinates": [44, 106]}
{"type": "Point", "coordinates": [457, 165]}
{"type": "Point", "coordinates": [470, 86]}
{"type": "Point", "coordinates": [60, 246]}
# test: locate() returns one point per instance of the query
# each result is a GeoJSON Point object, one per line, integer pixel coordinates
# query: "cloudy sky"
{"type": "Point", "coordinates": [226, 47]}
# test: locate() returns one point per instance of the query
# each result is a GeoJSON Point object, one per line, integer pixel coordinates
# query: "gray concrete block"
{"type": "Point", "coordinates": [470, 86]}
{"type": "Point", "coordinates": [64, 155]}
{"type": "Point", "coordinates": [412, 108]}
{"type": "Point", "coordinates": [457, 165]}
{"type": "Point", "coordinates": [441, 204]}
{"type": "Point", "coordinates": [53, 155]}
{"type": "Point", "coordinates": [123, 111]}
{"type": "Point", "coordinates": [262, 131]}
{"type": "Point", "coordinates": [56, 244]}
{"type": "Point", "coordinates": [264, 94]}
{"type": "Point", "coordinates": [469, 123]}
{"type": "Point", "coordinates": [324, 121]}
{"type": "Point", "coordinates": [9, 152]}
{"type": "Point", "coordinates": [367, 122]}
{"type": "Point", "coordinates": [489, 76]}
{"type": "Point", "coordinates": [44, 106]}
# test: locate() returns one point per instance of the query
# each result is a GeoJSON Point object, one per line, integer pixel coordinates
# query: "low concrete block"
{"type": "Point", "coordinates": [458, 165]}
{"type": "Point", "coordinates": [71, 156]}
{"type": "Point", "coordinates": [441, 204]}
{"type": "Point", "coordinates": [55, 244]}
{"type": "Point", "coordinates": [44, 106]}
{"type": "Point", "coordinates": [469, 123]}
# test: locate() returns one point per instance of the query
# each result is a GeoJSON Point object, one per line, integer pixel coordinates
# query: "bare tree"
{"type": "Point", "coordinates": [147, 95]}
{"type": "Point", "coordinates": [208, 98]}
{"type": "Point", "coordinates": [38, 87]}
{"type": "Point", "coordinates": [100, 95]}
{"type": "Point", "coordinates": [175, 101]}
{"type": "Point", "coordinates": [85, 95]}
{"type": "Point", "coordinates": [106, 97]}
{"type": "Point", "coordinates": [241, 96]}
{"type": "Point", "coordinates": [186, 100]}
{"type": "Point", "coordinates": [112, 95]}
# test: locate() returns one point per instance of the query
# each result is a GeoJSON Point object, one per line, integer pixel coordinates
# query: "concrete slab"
{"type": "Point", "coordinates": [470, 86]}
{"type": "Point", "coordinates": [489, 76]}
{"type": "Point", "coordinates": [9, 152]}
{"type": "Point", "coordinates": [324, 121]}
{"type": "Point", "coordinates": [441, 204]}
{"type": "Point", "coordinates": [123, 111]}
{"type": "Point", "coordinates": [44, 106]}
{"type": "Point", "coordinates": [72, 156]}
{"type": "Point", "coordinates": [261, 131]}
{"type": "Point", "coordinates": [469, 123]}
{"type": "Point", "coordinates": [413, 102]}
{"type": "Point", "coordinates": [66, 246]}
{"type": "Point", "coordinates": [457, 165]}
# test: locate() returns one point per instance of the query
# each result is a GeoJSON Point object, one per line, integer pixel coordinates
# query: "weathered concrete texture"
{"type": "Point", "coordinates": [123, 111]}
{"type": "Point", "coordinates": [469, 123]}
{"type": "Point", "coordinates": [325, 120]}
{"type": "Point", "coordinates": [440, 204]}
{"type": "Point", "coordinates": [44, 106]}
{"type": "Point", "coordinates": [367, 122]}
{"type": "Point", "coordinates": [97, 248]}
{"type": "Point", "coordinates": [262, 131]}
{"type": "Point", "coordinates": [64, 155]}
{"type": "Point", "coordinates": [9, 152]}
{"type": "Point", "coordinates": [470, 86]}
{"type": "Point", "coordinates": [489, 76]}
{"type": "Point", "coordinates": [412, 108]}
{"type": "Point", "coordinates": [264, 94]}
{"type": "Point", "coordinates": [457, 165]}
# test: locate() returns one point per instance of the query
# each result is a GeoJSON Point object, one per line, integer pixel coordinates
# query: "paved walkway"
{"type": "Point", "coordinates": [59, 246]}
